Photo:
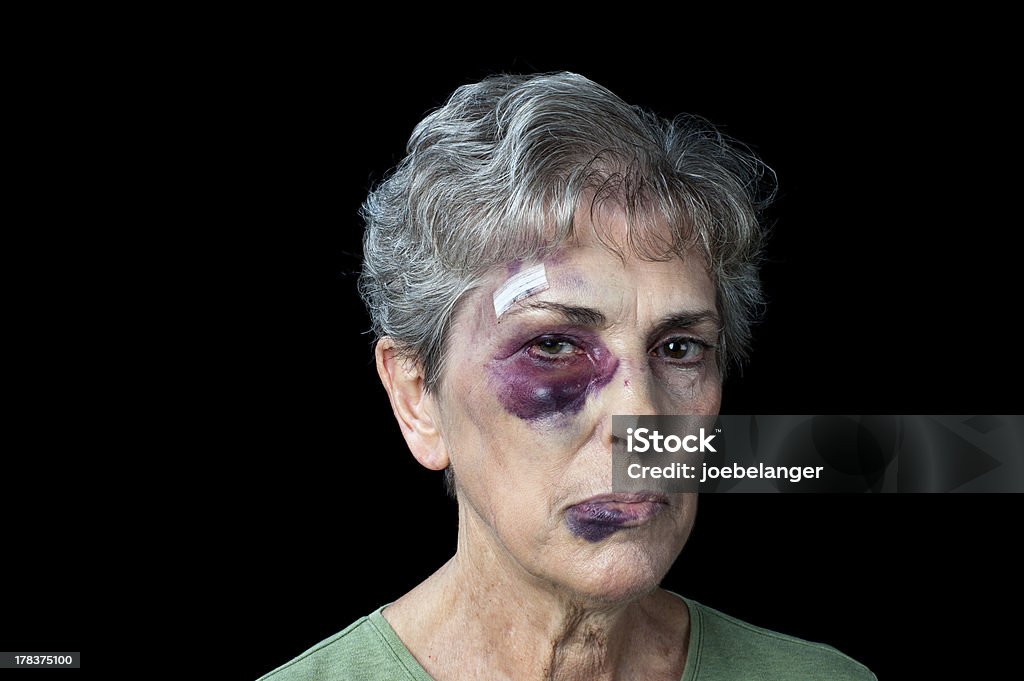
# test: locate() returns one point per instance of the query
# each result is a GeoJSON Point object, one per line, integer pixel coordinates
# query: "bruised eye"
{"type": "Point", "coordinates": [681, 350]}
{"type": "Point", "coordinates": [553, 347]}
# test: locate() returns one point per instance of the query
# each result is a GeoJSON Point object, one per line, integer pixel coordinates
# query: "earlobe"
{"type": "Point", "coordinates": [413, 407]}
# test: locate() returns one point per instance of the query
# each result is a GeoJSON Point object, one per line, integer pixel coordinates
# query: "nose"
{"type": "Point", "coordinates": [632, 392]}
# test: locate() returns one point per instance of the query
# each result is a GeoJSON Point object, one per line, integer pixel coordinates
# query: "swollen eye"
{"type": "Point", "coordinates": [551, 346]}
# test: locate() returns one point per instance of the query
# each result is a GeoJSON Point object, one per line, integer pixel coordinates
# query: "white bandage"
{"type": "Point", "coordinates": [521, 285]}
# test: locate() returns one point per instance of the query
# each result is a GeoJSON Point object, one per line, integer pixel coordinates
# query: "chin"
{"type": "Point", "coordinates": [621, 573]}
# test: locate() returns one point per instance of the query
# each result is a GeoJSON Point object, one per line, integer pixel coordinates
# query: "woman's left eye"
{"type": "Point", "coordinates": [686, 350]}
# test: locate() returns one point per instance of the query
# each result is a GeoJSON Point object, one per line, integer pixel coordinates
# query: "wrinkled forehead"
{"type": "Point", "coordinates": [624, 288]}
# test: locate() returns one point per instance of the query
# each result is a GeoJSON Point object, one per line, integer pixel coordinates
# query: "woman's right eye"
{"type": "Point", "coordinates": [553, 348]}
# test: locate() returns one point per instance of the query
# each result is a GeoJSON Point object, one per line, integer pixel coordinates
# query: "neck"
{"type": "Point", "coordinates": [510, 624]}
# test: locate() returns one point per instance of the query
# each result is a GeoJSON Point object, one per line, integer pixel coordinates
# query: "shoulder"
{"type": "Point", "coordinates": [360, 652]}
{"type": "Point", "coordinates": [732, 648]}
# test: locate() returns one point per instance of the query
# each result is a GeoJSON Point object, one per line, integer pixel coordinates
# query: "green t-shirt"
{"type": "Point", "coordinates": [721, 647]}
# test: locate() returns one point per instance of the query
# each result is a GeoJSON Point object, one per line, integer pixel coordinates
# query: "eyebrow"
{"type": "Point", "coordinates": [588, 316]}
{"type": "Point", "coordinates": [687, 320]}
{"type": "Point", "coordinates": [582, 316]}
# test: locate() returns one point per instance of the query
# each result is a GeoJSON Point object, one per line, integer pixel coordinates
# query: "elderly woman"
{"type": "Point", "coordinates": [544, 257]}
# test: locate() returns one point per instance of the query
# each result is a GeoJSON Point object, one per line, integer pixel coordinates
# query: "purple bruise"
{"type": "Point", "coordinates": [533, 388]}
{"type": "Point", "coordinates": [594, 522]}
{"type": "Point", "coordinates": [592, 532]}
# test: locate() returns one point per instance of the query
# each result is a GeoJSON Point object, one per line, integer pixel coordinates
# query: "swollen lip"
{"type": "Point", "coordinates": [599, 517]}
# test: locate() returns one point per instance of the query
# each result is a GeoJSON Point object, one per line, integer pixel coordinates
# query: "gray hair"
{"type": "Point", "coordinates": [496, 176]}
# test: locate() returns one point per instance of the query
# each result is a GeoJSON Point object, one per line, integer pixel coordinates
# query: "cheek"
{"type": "Point", "coordinates": [534, 389]}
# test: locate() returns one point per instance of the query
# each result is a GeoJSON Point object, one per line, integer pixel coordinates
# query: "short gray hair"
{"type": "Point", "coordinates": [496, 175]}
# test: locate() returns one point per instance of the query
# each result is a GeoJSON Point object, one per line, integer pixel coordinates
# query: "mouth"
{"type": "Point", "coordinates": [601, 516]}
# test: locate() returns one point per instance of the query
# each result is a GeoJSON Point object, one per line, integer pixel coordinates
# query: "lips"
{"type": "Point", "coordinates": [599, 517]}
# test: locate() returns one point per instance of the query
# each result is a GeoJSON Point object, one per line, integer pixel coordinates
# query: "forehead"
{"type": "Point", "coordinates": [623, 287]}
{"type": "Point", "coordinates": [603, 234]}
{"type": "Point", "coordinates": [603, 264]}
{"type": "Point", "coordinates": [599, 268]}
{"type": "Point", "coordinates": [597, 272]}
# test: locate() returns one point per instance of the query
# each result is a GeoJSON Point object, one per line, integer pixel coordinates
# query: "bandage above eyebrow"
{"type": "Point", "coordinates": [520, 285]}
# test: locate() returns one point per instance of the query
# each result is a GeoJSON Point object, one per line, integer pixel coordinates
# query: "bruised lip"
{"type": "Point", "coordinates": [600, 516]}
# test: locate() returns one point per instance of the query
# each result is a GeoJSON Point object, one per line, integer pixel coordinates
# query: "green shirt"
{"type": "Point", "coordinates": [721, 647]}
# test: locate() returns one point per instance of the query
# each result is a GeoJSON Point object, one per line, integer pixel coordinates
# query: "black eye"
{"type": "Point", "coordinates": [554, 347]}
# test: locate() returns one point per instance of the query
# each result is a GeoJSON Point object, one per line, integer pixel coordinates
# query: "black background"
{"type": "Point", "coordinates": [892, 287]}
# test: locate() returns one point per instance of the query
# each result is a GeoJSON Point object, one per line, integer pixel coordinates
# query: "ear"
{"type": "Point", "coordinates": [413, 407]}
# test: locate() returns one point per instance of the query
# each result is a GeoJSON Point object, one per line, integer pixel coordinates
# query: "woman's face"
{"type": "Point", "coordinates": [526, 406]}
